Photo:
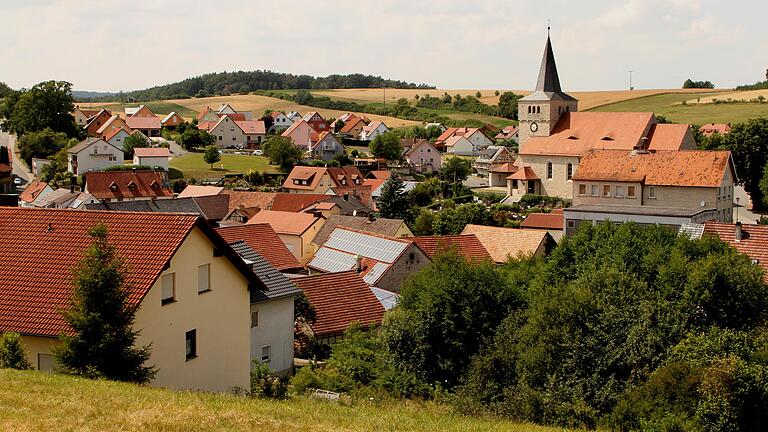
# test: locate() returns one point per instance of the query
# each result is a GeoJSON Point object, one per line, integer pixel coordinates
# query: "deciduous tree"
{"type": "Point", "coordinates": [211, 155]}
{"type": "Point", "coordinates": [282, 152]}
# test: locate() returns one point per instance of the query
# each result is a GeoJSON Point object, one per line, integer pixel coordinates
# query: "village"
{"type": "Point", "coordinates": [274, 267]}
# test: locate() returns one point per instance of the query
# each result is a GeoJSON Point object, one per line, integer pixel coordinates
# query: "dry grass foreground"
{"type": "Point", "coordinates": [37, 401]}
{"type": "Point", "coordinates": [587, 99]}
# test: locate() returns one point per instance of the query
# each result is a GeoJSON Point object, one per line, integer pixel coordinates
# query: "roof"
{"type": "Point", "coordinates": [294, 202]}
{"type": "Point", "coordinates": [549, 221]}
{"type": "Point", "coordinates": [33, 291]}
{"type": "Point", "coordinates": [143, 122]}
{"type": "Point", "coordinates": [466, 245]}
{"type": "Point", "coordinates": [32, 192]}
{"type": "Point", "coordinates": [693, 168]}
{"type": "Point", "coordinates": [526, 173]}
{"type": "Point", "coordinates": [350, 124]}
{"type": "Point", "coordinates": [381, 226]}
{"type": "Point", "coordinates": [264, 240]}
{"type": "Point", "coordinates": [313, 175]}
{"type": "Point", "coordinates": [212, 208]}
{"type": "Point", "coordinates": [127, 184]}
{"type": "Point", "coordinates": [277, 284]}
{"type": "Point", "coordinates": [753, 243]}
{"type": "Point", "coordinates": [108, 137]}
{"type": "Point", "coordinates": [416, 144]}
{"type": "Point", "coordinates": [82, 145]}
{"type": "Point", "coordinates": [282, 222]}
{"type": "Point", "coordinates": [388, 299]}
{"type": "Point", "coordinates": [668, 136]}
{"type": "Point", "coordinates": [683, 212]}
{"type": "Point", "coordinates": [380, 174]}
{"type": "Point", "coordinates": [452, 141]}
{"type": "Point", "coordinates": [372, 126]}
{"type": "Point", "coordinates": [195, 191]}
{"type": "Point", "coordinates": [246, 199]}
{"type": "Point", "coordinates": [339, 299]}
{"type": "Point", "coordinates": [250, 127]}
{"type": "Point", "coordinates": [721, 128]}
{"type": "Point", "coordinates": [152, 152]}
{"type": "Point", "coordinates": [503, 243]}
{"type": "Point", "coordinates": [505, 168]}
{"type": "Point", "coordinates": [548, 82]}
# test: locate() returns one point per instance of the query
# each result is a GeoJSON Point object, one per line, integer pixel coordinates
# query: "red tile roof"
{"type": "Point", "coordinates": [33, 191]}
{"type": "Point", "coordinates": [351, 124]}
{"type": "Point", "coordinates": [143, 122]}
{"type": "Point", "coordinates": [467, 245]}
{"type": "Point", "coordinates": [294, 202]}
{"type": "Point", "coordinates": [112, 134]}
{"type": "Point", "coordinates": [380, 174]}
{"type": "Point", "coordinates": [152, 152]}
{"type": "Point", "coordinates": [339, 299]}
{"type": "Point", "coordinates": [127, 184]}
{"type": "Point", "coordinates": [526, 173]}
{"type": "Point", "coordinates": [505, 168]}
{"type": "Point", "coordinates": [550, 221]}
{"type": "Point", "coordinates": [503, 243]}
{"type": "Point", "coordinates": [251, 127]}
{"type": "Point", "coordinates": [288, 223]}
{"type": "Point", "coordinates": [721, 128]}
{"type": "Point", "coordinates": [754, 241]}
{"type": "Point", "coordinates": [670, 137]}
{"type": "Point", "coordinates": [261, 200]}
{"type": "Point", "coordinates": [265, 241]}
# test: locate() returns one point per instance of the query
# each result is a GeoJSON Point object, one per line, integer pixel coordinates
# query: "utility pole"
{"type": "Point", "coordinates": [630, 80]}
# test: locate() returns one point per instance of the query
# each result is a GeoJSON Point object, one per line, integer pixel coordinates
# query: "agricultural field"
{"type": "Point", "coordinates": [744, 96]}
{"type": "Point", "coordinates": [35, 401]}
{"type": "Point", "coordinates": [193, 165]}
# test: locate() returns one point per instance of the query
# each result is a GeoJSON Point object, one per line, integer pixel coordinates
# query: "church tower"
{"type": "Point", "coordinates": [540, 111]}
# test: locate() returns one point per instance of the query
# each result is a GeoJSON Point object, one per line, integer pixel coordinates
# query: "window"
{"type": "Point", "coordinates": [220, 138]}
{"type": "Point", "coordinates": [549, 170]}
{"type": "Point", "coordinates": [254, 318]}
{"type": "Point", "coordinates": [582, 189]}
{"type": "Point", "coordinates": [571, 224]}
{"type": "Point", "coordinates": [606, 190]}
{"type": "Point", "coordinates": [191, 344]}
{"type": "Point", "coordinates": [169, 288]}
{"type": "Point", "coordinates": [594, 190]}
{"type": "Point", "coordinates": [45, 362]}
{"type": "Point", "coordinates": [652, 192]}
{"type": "Point", "coordinates": [569, 171]}
{"type": "Point", "coordinates": [266, 351]}
{"type": "Point", "coordinates": [619, 191]}
{"type": "Point", "coordinates": [203, 278]}
{"type": "Point", "coordinates": [630, 191]}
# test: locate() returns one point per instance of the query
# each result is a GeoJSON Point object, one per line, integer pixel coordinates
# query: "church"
{"type": "Point", "coordinates": [554, 135]}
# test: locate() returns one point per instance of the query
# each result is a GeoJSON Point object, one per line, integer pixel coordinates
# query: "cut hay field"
{"type": "Point", "coordinates": [38, 401]}
{"type": "Point", "coordinates": [744, 96]}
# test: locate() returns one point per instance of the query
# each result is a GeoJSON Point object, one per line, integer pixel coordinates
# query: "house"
{"type": "Point", "coordinates": [383, 262]}
{"type": "Point", "coordinates": [302, 134]}
{"type": "Point", "coordinates": [492, 155]}
{"type": "Point", "coordinates": [272, 313]}
{"type": "Point", "coordinates": [396, 228]}
{"type": "Point", "coordinates": [499, 173]}
{"type": "Point", "coordinates": [93, 155]}
{"type": "Point", "coordinates": [196, 191]}
{"type": "Point", "coordinates": [207, 115]}
{"type": "Point", "coordinates": [349, 117]}
{"type": "Point", "coordinates": [553, 222]}
{"type": "Point", "coordinates": [139, 111]}
{"type": "Point", "coordinates": [339, 299]}
{"type": "Point", "coordinates": [228, 133]}
{"type": "Point", "coordinates": [6, 178]}
{"type": "Point", "coordinates": [111, 125]}
{"type": "Point", "coordinates": [83, 116]}
{"type": "Point", "coordinates": [554, 136]}
{"type": "Point", "coordinates": [296, 230]}
{"type": "Point", "coordinates": [316, 121]}
{"type": "Point", "coordinates": [508, 133]}
{"type": "Point", "coordinates": [293, 116]}
{"type": "Point", "coordinates": [664, 187]}
{"type": "Point", "coordinates": [172, 120]}
{"type": "Point", "coordinates": [379, 174]}
{"type": "Point", "coordinates": [466, 245]}
{"type": "Point", "coordinates": [238, 216]}
{"type": "Point", "coordinates": [64, 198]}
{"type": "Point", "coordinates": [108, 186]}
{"type": "Point", "coordinates": [152, 156]}
{"type": "Point", "coordinates": [280, 121]}
{"type": "Point", "coordinates": [96, 122]}
{"type": "Point", "coordinates": [505, 243]}
{"type": "Point", "coordinates": [33, 194]}
{"type": "Point", "coordinates": [327, 147]}
{"type": "Point", "coordinates": [475, 136]}
{"type": "Point", "coordinates": [721, 128]}
{"type": "Point", "coordinates": [372, 130]}
{"type": "Point", "coordinates": [747, 239]}
{"type": "Point", "coordinates": [436, 125]}
{"type": "Point", "coordinates": [319, 180]}
{"type": "Point", "coordinates": [265, 241]}
{"type": "Point", "coordinates": [191, 290]}
{"type": "Point", "coordinates": [149, 126]}
{"type": "Point", "coordinates": [38, 164]}
{"type": "Point", "coordinates": [227, 110]}
{"type": "Point", "coordinates": [291, 202]}
{"type": "Point", "coordinates": [423, 156]}
{"type": "Point", "coordinates": [117, 137]}
{"type": "Point", "coordinates": [458, 145]}
{"type": "Point", "coordinates": [352, 128]}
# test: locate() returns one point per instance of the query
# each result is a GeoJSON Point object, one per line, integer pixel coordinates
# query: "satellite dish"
{"type": "Point", "coordinates": [702, 203]}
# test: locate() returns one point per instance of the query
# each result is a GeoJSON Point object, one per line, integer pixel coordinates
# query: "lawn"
{"type": "Point", "coordinates": [669, 106]}
{"type": "Point", "coordinates": [37, 401]}
{"type": "Point", "coordinates": [193, 165]}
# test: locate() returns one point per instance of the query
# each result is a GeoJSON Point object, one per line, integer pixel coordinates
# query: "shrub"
{"type": "Point", "coordinates": [12, 352]}
{"type": "Point", "coordinates": [265, 385]}
{"type": "Point", "coordinates": [174, 174]}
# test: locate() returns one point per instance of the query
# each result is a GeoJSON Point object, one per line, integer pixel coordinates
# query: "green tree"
{"type": "Point", "coordinates": [12, 352]}
{"type": "Point", "coordinates": [41, 144]}
{"type": "Point", "coordinates": [282, 152]}
{"type": "Point", "coordinates": [386, 146]}
{"type": "Point", "coordinates": [47, 105]}
{"type": "Point", "coordinates": [211, 155]}
{"type": "Point", "coordinates": [452, 220]}
{"type": "Point", "coordinates": [422, 226]}
{"type": "Point", "coordinates": [393, 203]}
{"type": "Point", "coordinates": [478, 94]}
{"type": "Point", "coordinates": [508, 105]}
{"type": "Point", "coordinates": [5, 156]}
{"type": "Point", "coordinates": [101, 318]}
{"type": "Point", "coordinates": [5, 91]}
{"type": "Point", "coordinates": [456, 169]}
{"type": "Point", "coordinates": [137, 139]}
{"type": "Point", "coordinates": [193, 137]}
{"type": "Point", "coordinates": [748, 143]}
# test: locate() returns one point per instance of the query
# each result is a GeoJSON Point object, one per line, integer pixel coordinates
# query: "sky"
{"type": "Point", "coordinates": [117, 45]}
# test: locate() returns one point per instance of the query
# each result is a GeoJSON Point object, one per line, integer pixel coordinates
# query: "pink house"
{"type": "Point", "coordinates": [302, 134]}
{"type": "Point", "coordinates": [423, 156]}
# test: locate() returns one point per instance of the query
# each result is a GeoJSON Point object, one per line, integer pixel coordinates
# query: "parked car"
{"type": "Point", "coordinates": [257, 153]}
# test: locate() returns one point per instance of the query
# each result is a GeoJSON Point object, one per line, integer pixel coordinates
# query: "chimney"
{"type": "Point", "coordinates": [738, 234]}
{"type": "Point", "coordinates": [371, 218]}
{"type": "Point", "coordinates": [133, 170]}
{"type": "Point", "coordinates": [359, 267]}
{"type": "Point", "coordinates": [71, 188]}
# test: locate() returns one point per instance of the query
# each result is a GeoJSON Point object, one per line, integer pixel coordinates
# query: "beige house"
{"type": "Point", "coordinates": [191, 288]}
{"type": "Point", "coordinates": [152, 156]}
{"type": "Point", "coordinates": [111, 126]}
{"type": "Point", "coordinates": [93, 155]}
{"type": "Point", "coordinates": [296, 230]}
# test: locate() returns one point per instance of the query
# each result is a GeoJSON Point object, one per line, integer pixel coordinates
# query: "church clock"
{"type": "Point", "coordinates": [534, 127]}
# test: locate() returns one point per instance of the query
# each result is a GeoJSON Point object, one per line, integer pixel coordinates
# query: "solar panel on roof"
{"type": "Point", "coordinates": [367, 246]}
{"type": "Point", "coordinates": [387, 299]}
{"type": "Point", "coordinates": [375, 274]}
{"type": "Point", "coordinates": [332, 261]}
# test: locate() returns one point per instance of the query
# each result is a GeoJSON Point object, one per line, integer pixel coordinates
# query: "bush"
{"type": "Point", "coordinates": [12, 352]}
{"type": "Point", "coordinates": [265, 385]}
{"type": "Point", "coordinates": [174, 174]}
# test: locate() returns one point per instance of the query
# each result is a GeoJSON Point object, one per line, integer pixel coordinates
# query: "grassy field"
{"type": "Point", "coordinates": [670, 107]}
{"type": "Point", "coordinates": [193, 165]}
{"type": "Point", "coordinates": [37, 401]}
{"type": "Point", "coordinates": [738, 96]}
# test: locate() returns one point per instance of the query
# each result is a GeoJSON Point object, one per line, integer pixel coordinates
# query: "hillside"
{"type": "Point", "coordinates": [31, 401]}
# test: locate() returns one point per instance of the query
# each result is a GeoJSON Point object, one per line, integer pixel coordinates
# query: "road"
{"type": "Point", "coordinates": [20, 169]}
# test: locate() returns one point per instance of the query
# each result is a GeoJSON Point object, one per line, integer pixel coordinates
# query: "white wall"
{"type": "Point", "coordinates": [275, 329]}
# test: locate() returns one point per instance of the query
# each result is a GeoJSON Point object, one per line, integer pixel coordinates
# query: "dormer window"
{"type": "Point", "coordinates": [606, 138]}
{"type": "Point", "coordinates": [131, 186]}
{"type": "Point", "coordinates": [113, 186]}
{"type": "Point", "coordinates": [573, 137]}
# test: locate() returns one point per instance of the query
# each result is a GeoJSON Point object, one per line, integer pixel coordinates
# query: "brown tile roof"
{"type": "Point", "coordinates": [467, 245]}
{"type": "Point", "coordinates": [502, 243]}
{"type": "Point", "coordinates": [351, 124]}
{"type": "Point", "coordinates": [143, 122]}
{"type": "Point", "coordinates": [549, 221]}
{"type": "Point", "coordinates": [578, 132]}
{"type": "Point", "coordinates": [339, 299]}
{"type": "Point", "coordinates": [380, 174]}
{"type": "Point", "coordinates": [250, 127]}
{"type": "Point", "coordinates": [294, 202]}
{"type": "Point", "coordinates": [265, 241]}
{"type": "Point", "coordinates": [526, 173]}
{"type": "Point", "coordinates": [754, 241]}
{"type": "Point", "coordinates": [197, 191]}
{"type": "Point", "coordinates": [289, 223]}
{"type": "Point", "coordinates": [381, 226]}
{"type": "Point", "coordinates": [262, 200]}
{"type": "Point", "coordinates": [668, 136]}
{"type": "Point", "coordinates": [43, 246]}
{"type": "Point", "coordinates": [33, 191]}
{"type": "Point", "coordinates": [127, 184]}
{"type": "Point", "coordinates": [305, 173]}
{"type": "Point", "coordinates": [696, 168]}
{"type": "Point", "coordinates": [721, 128]}
{"type": "Point", "coordinates": [214, 207]}
{"type": "Point", "coordinates": [505, 168]}
{"type": "Point", "coordinates": [152, 152]}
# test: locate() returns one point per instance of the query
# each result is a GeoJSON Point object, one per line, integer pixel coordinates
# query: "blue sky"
{"type": "Point", "coordinates": [487, 44]}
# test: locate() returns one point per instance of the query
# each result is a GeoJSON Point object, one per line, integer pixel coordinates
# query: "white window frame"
{"type": "Point", "coordinates": [651, 192]}
{"type": "Point", "coordinates": [266, 353]}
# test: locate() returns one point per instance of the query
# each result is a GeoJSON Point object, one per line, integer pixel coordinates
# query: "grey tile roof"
{"type": "Point", "coordinates": [383, 226]}
{"type": "Point", "coordinates": [211, 208]}
{"type": "Point", "coordinates": [278, 285]}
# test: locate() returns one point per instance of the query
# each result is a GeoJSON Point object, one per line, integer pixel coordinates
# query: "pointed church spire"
{"type": "Point", "coordinates": [548, 79]}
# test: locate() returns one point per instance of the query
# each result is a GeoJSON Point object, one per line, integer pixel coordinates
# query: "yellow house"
{"type": "Point", "coordinates": [191, 290]}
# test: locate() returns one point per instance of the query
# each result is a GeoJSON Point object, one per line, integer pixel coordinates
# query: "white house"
{"type": "Point", "coordinates": [117, 137]}
{"type": "Point", "coordinates": [372, 130]}
{"type": "Point", "coordinates": [280, 121]}
{"type": "Point", "coordinates": [459, 145]}
{"type": "Point", "coordinates": [293, 116]}
{"type": "Point", "coordinates": [152, 156]}
{"type": "Point", "coordinates": [437, 125]}
{"type": "Point", "coordinates": [93, 154]}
